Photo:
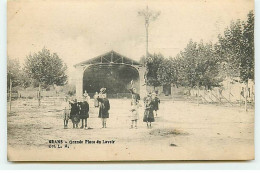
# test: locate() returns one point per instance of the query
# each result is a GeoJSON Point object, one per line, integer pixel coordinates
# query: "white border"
{"type": "Point", "coordinates": [4, 164]}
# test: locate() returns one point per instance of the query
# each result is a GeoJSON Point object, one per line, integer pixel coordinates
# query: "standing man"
{"type": "Point", "coordinates": [104, 107]}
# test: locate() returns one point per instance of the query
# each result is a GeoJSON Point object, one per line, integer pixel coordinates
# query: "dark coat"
{"type": "Point", "coordinates": [104, 108]}
{"type": "Point", "coordinates": [155, 103]}
{"type": "Point", "coordinates": [84, 110]}
{"type": "Point", "coordinates": [74, 113]}
{"type": "Point", "coordinates": [74, 109]}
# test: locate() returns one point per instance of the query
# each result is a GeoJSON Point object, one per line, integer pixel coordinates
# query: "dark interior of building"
{"type": "Point", "coordinates": [116, 78]}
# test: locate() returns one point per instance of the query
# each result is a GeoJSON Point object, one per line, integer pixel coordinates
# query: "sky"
{"type": "Point", "coordinates": [78, 30]}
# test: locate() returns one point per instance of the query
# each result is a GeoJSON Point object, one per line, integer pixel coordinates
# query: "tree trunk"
{"type": "Point", "coordinates": [246, 91]}
{"type": "Point", "coordinates": [39, 95]}
{"type": "Point", "coordinates": [10, 95]}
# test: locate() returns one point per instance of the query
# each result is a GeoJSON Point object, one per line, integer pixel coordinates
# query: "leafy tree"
{"type": "Point", "coordinates": [247, 61]}
{"type": "Point", "coordinates": [236, 48]}
{"type": "Point", "coordinates": [230, 50]}
{"type": "Point", "coordinates": [168, 72]}
{"type": "Point", "coordinates": [199, 66]}
{"type": "Point", "coordinates": [152, 64]}
{"type": "Point", "coordinates": [13, 72]}
{"type": "Point", "coordinates": [46, 69]}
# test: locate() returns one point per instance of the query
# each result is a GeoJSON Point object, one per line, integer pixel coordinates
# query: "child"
{"type": "Point", "coordinates": [66, 115]}
{"type": "Point", "coordinates": [148, 113]}
{"type": "Point", "coordinates": [135, 113]}
{"type": "Point", "coordinates": [104, 107]}
{"type": "Point", "coordinates": [84, 113]}
{"type": "Point", "coordinates": [74, 113]}
{"type": "Point", "coordinates": [156, 102]}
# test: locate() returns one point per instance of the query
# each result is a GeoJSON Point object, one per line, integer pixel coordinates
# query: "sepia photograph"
{"type": "Point", "coordinates": [130, 80]}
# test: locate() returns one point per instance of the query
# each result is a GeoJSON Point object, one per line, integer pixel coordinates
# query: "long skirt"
{"type": "Point", "coordinates": [96, 104]}
{"type": "Point", "coordinates": [75, 118]}
{"type": "Point", "coordinates": [148, 115]}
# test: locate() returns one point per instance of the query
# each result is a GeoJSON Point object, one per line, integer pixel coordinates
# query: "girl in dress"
{"type": "Point", "coordinates": [104, 107]}
{"type": "Point", "coordinates": [148, 113]}
{"type": "Point", "coordinates": [135, 113]}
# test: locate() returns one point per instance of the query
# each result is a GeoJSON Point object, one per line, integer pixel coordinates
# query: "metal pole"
{"type": "Point", "coordinates": [146, 26]}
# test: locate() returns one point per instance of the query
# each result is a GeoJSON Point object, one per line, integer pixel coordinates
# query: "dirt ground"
{"type": "Point", "coordinates": [181, 131]}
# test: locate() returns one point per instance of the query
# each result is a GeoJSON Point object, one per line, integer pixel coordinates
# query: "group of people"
{"type": "Point", "coordinates": [79, 110]}
{"type": "Point", "coordinates": [151, 106]}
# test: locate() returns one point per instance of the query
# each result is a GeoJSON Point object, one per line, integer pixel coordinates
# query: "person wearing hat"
{"type": "Point", "coordinates": [148, 113]}
{"type": "Point", "coordinates": [134, 106]}
{"type": "Point", "coordinates": [104, 107]}
{"type": "Point", "coordinates": [135, 95]}
{"type": "Point", "coordinates": [134, 113]}
{"type": "Point", "coordinates": [155, 101]}
{"type": "Point", "coordinates": [74, 113]}
{"type": "Point", "coordinates": [84, 112]}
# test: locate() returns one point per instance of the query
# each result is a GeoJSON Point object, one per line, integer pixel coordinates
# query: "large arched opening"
{"type": "Point", "coordinates": [116, 78]}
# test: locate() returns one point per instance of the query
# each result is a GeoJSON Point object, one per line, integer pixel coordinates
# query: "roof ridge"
{"type": "Point", "coordinates": [111, 51]}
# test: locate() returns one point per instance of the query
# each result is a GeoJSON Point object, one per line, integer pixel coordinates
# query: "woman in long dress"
{"type": "Point", "coordinates": [84, 113]}
{"type": "Point", "coordinates": [148, 113]}
{"type": "Point", "coordinates": [96, 104]}
{"type": "Point", "coordinates": [103, 108]}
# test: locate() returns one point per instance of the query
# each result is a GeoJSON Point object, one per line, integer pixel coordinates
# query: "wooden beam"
{"type": "Point", "coordinates": [112, 55]}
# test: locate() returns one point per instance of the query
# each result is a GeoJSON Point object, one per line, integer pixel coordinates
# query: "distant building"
{"type": "Point", "coordinates": [112, 71]}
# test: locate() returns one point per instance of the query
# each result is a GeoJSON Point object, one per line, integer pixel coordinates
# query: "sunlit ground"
{"type": "Point", "coordinates": [182, 130]}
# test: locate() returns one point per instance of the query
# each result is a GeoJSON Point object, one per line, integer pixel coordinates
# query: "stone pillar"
{"type": "Point", "coordinates": [79, 80]}
{"type": "Point", "coordinates": [141, 71]}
